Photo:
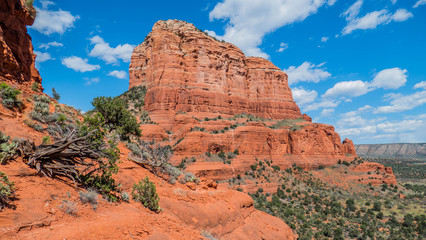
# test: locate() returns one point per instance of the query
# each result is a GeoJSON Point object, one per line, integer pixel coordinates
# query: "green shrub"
{"type": "Point", "coordinates": [7, 148]}
{"type": "Point", "coordinates": [35, 87]}
{"type": "Point", "coordinates": [116, 116]}
{"type": "Point", "coordinates": [55, 95]}
{"type": "Point", "coordinates": [9, 96]}
{"type": "Point", "coordinates": [125, 196]}
{"type": "Point", "coordinates": [145, 192]}
{"type": "Point", "coordinates": [7, 190]}
{"type": "Point", "coordinates": [45, 140]}
{"type": "Point", "coordinates": [102, 179]}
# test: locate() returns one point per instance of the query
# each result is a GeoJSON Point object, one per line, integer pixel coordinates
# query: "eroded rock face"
{"type": "Point", "coordinates": [191, 76]}
{"type": "Point", "coordinates": [17, 60]}
{"type": "Point", "coordinates": [186, 70]}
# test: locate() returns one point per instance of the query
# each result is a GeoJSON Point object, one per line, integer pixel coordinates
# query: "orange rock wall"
{"type": "Point", "coordinates": [16, 50]}
{"type": "Point", "coordinates": [186, 70]}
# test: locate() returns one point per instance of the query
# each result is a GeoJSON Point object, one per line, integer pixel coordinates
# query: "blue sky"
{"type": "Point", "coordinates": [357, 65]}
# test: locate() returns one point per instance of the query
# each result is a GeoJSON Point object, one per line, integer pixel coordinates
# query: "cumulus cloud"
{"type": "Point", "coordinates": [46, 4]}
{"type": "Point", "coordinates": [303, 97]}
{"type": "Point", "coordinates": [42, 56]}
{"type": "Point", "coordinates": [46, 46]}
{"type": "Point", "coordinates": [372, 19]}
{"type": "Point", "coordinates": [306, 72]}
{"type": "Point", "coordinates": [283, 46]}
{"type": "Point", "coordinates": [391, 78]}
{"type": "Point", "coordinates": [347, 89]}
{"type": "Point", "coordinates": [79, 64]}
{"type": "Point", "coordinates": [419, 3]}
{"type": "Point", "coordinates": [48, 22]}
{"type": "Point", "coordinates": [325, 103]}
{"type": "Point", "coordinates": [400, 103]}
{"type": "Point", "coordinates": [102, 50]}
{"type": "Point", "coordinates": [118, 74]}
{"type": "Point", "coordinates": [250, 20]}
{"type": "Point", "coordinates": [401, 15]}
{"type": "Point", "coordinates": [326, 112]}
{"type": "Point", "coordinates": [420, 85]}
{"type": "Point", "coordinates": [90, 81]}
{"type": "Point", "coordinates": [324, 39]}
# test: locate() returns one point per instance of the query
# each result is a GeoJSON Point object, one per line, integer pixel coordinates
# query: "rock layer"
{"type": "Point", "coordinates": [186, 70]}
{"type": "Point", "coordinates": [17, 60]}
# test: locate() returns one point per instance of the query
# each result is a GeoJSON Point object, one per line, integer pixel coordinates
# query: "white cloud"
{"type": "Point", "coordinates": [331, 2]}
{"type": "Point", "coordinates": [419, 3]}
{"type": "Point", "coordinates": [251, 20]}
{"type": "Point", "coordinates": [118, 74]}
{"type": "Point", "coordinates": [46, 4]}
{"type": "Point", "coordinates": [90, 81]}
{"type": "Point", "coordinates": [324, 39]}
{"type": "Point", "coordinates": [372, 19]}
{"type": "Point", "coordinates": [78, 64]}
{"type": "Point", "coordinates": [213, 34]}
{"type": "Point", "coordinates": [393, 1]}
{"type": "Point", "coordinates": [303, 97]}
{"type": "Point", "coordinates": [110, 55]}
{"type": "Point", "coordinates": [391, 78]}
{"type": "Point", "coordinates": [46, 46]}
{"type": "Point", "coordinates": [327, 103]}
{"type": "Point", "coordinates": [420, 85]}
{"type": "Point", "coordinates": [401, 15]}
{"type": "Point", "coordinates": [306, 72]}
{"type": "Point", "coordinates": [283, 46]}
{"type": "Point", "coordinates": [42, 56]}
{"type": "Point", "coordinates": [347, 89]}
{"type": "Point", "coordinates": [381, 130]}
{"type": "Point", "coordinates": [326, 112]}
{"type": "Point", "coordinates": [353, 11]}
{"type": "Point", "coordinates": [400, 103]}
{"type": "Point", "coordinates": [48, 22]}
{"type": "Point", "coordinates": [360, 110]}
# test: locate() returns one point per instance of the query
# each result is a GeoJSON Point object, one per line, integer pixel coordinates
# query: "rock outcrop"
{"type": "Point", "coordinates": [17, 60]}
{"type": "Point", "coordinates": [186, 70]}
{"type": "Point", "coordinates": [190, 76]}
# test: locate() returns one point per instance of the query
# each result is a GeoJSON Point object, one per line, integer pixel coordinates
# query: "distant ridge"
{"type": "Point", "coordinates": [403, 150]}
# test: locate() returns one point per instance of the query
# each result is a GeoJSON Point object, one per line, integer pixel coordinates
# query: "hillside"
{"type": "Point", "coordinates": [396, 150]}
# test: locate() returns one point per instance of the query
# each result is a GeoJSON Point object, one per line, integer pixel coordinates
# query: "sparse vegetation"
{"type": "Point", "coordinates": [90, 197]}
{"type": "Point", "coordinates": [145, 192]}
{"type": "Point", "coordinates": [116, 116]}
{"type": "Point", "coordinates": [317, 210]}
{"type": "Point", "coordinates": [55, 95]}
{"type": "Point", "coordinates": [35, 87]}
{"type": "Point", "coordinates": [69, 208]}
{"type": "Point", "coordinates": [7, 148]}
{"type": "Point", "coordinates": [7, 190]}
{"type": "Point", "coordinates": [9, 96]}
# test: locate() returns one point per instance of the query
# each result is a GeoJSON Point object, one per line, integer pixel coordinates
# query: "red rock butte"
{"type": "Point", "coordinates": [184, 69]}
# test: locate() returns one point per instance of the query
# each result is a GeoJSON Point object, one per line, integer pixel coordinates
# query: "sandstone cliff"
{"type": "Point", "coordinates": [16, 50]}
{"type": "Point", "coordinates": [191, 76]}
{"type": "Point", "coordinates": [186, 70]}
